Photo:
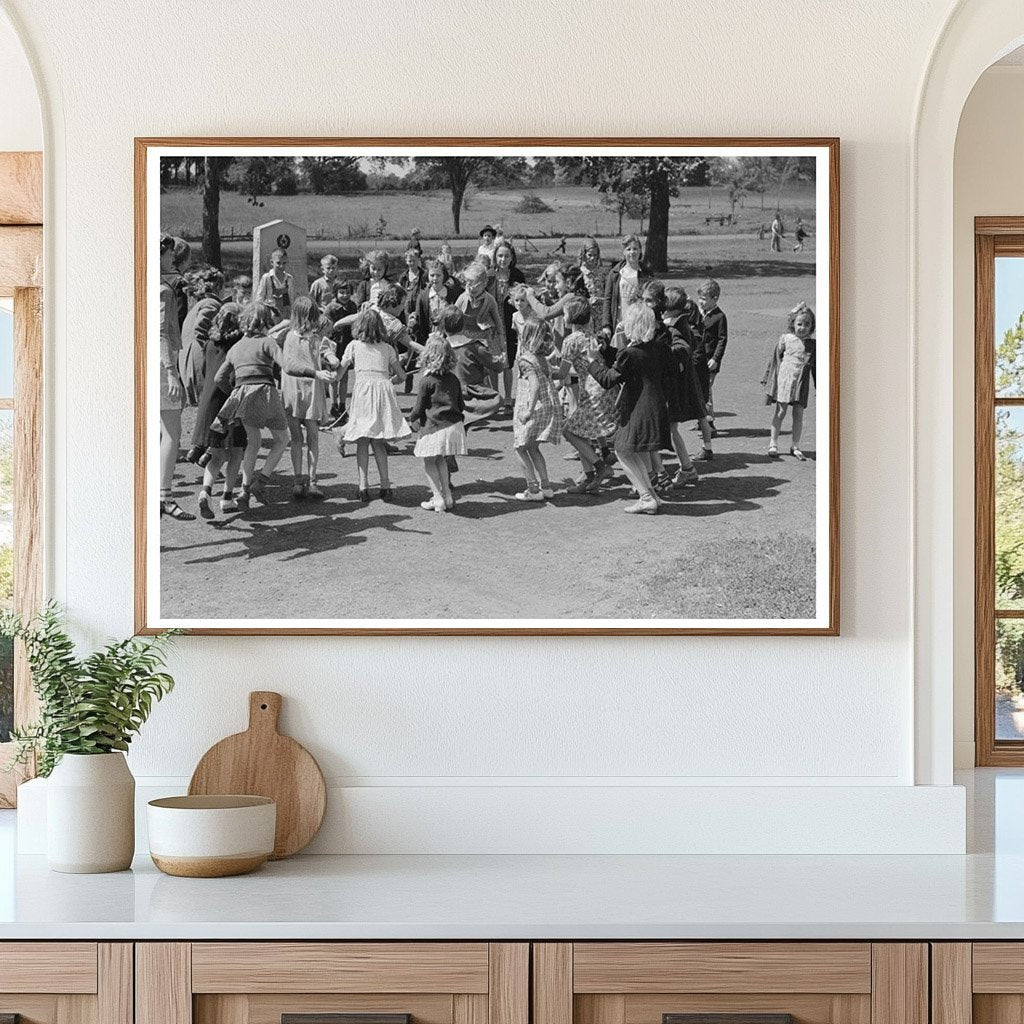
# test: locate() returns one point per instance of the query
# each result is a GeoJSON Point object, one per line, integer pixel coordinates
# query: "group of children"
{"type": "Point", "coordinates": [611, 360]}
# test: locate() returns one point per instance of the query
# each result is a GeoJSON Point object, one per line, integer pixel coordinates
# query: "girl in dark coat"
{"type": "Point", "coordinates": [648, 401]}
{"type": "Point", "coordinates": [690, 399]}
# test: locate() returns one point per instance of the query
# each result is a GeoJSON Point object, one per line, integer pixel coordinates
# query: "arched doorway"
{"type": "Point", "coordinates": [976, 34]}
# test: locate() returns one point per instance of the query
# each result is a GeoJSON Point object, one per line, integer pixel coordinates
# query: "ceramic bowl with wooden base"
{"type": "Point", "coordinates": [211, 836]}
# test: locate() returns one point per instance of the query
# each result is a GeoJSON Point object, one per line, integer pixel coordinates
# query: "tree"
{"type": "Point", "coordinates": [1009, 467]}
{"type": "Point", "coordinates": [735, 175]}
{"type": "Point", "coordinates": [286, 182]}
{"type": "Point", "coordinates": [543, 172]}
{"type": "Point", "coordinates": [458, 172]}
{"type": "Point", "coordinates": [657, 177]}
{"type": "Point", "coordinates": [332, 175]}
{"type": "Point", "coordinates": [258, 178]}
{"type": "Point", "coordinates": [625, 204]}
{"type": "Point", "coordinates": [502, 171]}
{"type": "Point", "coordinates": [213, 170]}
{"type": "Point", "coordinates": [771, 173]}
{"type": "Point", "coordinates": [255, 176]}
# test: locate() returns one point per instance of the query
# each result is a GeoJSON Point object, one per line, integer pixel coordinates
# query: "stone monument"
{"type": "Point", "coordinates": [280, 234]}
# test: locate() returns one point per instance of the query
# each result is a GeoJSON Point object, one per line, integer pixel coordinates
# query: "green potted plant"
{"type": "Point", "coordinates": [89, 709]}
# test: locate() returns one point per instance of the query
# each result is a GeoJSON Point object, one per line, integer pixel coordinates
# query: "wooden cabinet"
{"type": "Point", "coordinates": [977, 983]}
{"type": "Point", "coordinates": [307, 982]}
{"type": "Point", "coordinates": [512, 983]}
{"type": "Point", "coordinates": [750, 982]}
{"type": "Point", "coordinates": [66, 982]}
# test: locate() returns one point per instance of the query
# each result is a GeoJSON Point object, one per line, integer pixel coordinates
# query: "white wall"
{"type": "Point", "coordinates": [987, 182]}
{"type": "Point", "coordinates": [21, 127]}
{"type": "Point", "coordinates": [455, 712]}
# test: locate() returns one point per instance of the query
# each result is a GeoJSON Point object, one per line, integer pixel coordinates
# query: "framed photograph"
{"type": "Point", "coordinates": [487, 386]}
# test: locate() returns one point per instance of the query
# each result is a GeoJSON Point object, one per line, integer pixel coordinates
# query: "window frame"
{"type": "Point", "coordinates": [21, 278]}
{"type": "Point", "coordinates": [993, 237]}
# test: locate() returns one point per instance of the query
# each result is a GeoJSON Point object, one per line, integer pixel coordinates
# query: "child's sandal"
{"type": "Point", "coordinates": [798, 455]}
{"type": "Point", "coordinates": [580, 486]}
{"type": "Point", "coordinates": [773, 451]}
{"type": "Point", "coordinates": [314, 493]}
{"type": "Point", "coordinates": [175, 511]}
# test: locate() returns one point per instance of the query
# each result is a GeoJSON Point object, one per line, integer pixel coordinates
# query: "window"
{"type": "Point", "coordinates": [6, 511]}
{"type": "Point", "coordinates": [21, 456]}
{"type": "Point", "coordinates": [999, 490]}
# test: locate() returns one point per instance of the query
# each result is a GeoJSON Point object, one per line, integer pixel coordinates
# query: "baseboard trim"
{"type": "Point", "coordinates": [452, 819]}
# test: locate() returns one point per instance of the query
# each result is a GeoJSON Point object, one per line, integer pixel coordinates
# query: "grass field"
{"type": "Point", "coordinates": [575, 211]}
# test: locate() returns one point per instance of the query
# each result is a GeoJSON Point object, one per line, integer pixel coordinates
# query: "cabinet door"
{"type": "Point", "coordinates": [332, 983]}
{"type": "Point", "coordinates": [66, 982]}
{"type": "Point", "coordinates": [730, 983]}
{"type": "Point", "coordinates": [978, 983]}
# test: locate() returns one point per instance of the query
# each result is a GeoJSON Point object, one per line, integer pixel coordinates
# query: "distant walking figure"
{"type": "Point", "coordinates": [777, 233]}
{"type": "Point", "coordinates": [801, 234]}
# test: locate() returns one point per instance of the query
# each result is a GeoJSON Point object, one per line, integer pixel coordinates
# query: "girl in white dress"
{"type": "Point", "coordinates": [787, 378]}
{"type": "Point", "coordinates": [374, 416]}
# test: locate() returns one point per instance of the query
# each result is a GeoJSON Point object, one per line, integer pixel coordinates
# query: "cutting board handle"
{"type": "Point", "coordinates": [264, 710]}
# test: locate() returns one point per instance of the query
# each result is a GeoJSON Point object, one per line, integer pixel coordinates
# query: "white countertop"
{"type": "Point", "coordinates": [977, 896]}
{"type": "Point", "coordinates": [516, 897]}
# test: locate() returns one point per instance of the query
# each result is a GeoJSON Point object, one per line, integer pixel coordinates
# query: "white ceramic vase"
{"type": "Point", "coordinates": [90, 814]}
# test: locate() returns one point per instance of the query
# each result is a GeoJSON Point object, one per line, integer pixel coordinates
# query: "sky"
{"type": "Point", "coordinates": [6, 353]}
{"type": "Point", "coordinates": [1009, 293]}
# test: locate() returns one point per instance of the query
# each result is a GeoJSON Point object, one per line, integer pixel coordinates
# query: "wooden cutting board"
{"type": "Point", "coordinates": [262, 762]}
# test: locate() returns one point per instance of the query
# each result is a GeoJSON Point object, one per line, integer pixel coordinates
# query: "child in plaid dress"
{"type": "Point", "coordinates": [538, 415]}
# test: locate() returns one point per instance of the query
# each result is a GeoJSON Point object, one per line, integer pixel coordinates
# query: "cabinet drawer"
{"type": "Point", "coordinates": [730, 983]}
{"type": "Point", "coordinates": [58, 967]}
{"type": "Point", "coordinates": [635, 967]}
{"type": "Point", "coordinates": [332, 983]}
{"type": "Point", "coordinates": [340, 967]}
{"type": "Point", "coordinates": [66, 982]}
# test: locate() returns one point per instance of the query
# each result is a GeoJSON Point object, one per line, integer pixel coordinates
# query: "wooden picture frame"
{"type": "Point", "coordinates": [151, 616]}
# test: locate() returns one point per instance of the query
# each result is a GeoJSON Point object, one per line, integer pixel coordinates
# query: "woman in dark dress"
{"type": "Point", "coordinates": [648, 400]}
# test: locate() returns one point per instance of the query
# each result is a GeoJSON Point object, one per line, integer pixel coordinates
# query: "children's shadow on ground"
{"type": "Point", "coordinates": [728, 462]}
{"type": "Point", "coordinates": [265, 531]}
{"type": "Point", "coordinates": [502, 494]}
{"type": "Point", "coordinates": [732, 494]}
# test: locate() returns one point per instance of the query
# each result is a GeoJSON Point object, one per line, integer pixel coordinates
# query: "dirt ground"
{"type": "Point", "coordinates": [738, 544]}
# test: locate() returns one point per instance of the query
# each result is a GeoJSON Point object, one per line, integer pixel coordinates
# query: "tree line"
{"type": "Point", "coordinates": [648, 183]}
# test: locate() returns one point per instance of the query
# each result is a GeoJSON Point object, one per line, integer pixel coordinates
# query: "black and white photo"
{"type": "Point", "coordinates": [401, 386]}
